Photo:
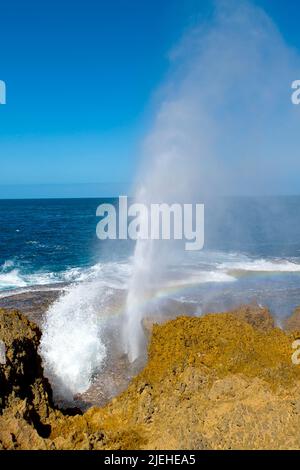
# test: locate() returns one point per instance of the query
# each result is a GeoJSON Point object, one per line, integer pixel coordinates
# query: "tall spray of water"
{"type": "Point", "coordinates": [227, 97]}
{"type": "Point", "coordinates": [225, 125]}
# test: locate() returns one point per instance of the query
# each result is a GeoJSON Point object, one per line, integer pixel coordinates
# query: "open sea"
{"type": "Point", "coordinates": [251, 253]}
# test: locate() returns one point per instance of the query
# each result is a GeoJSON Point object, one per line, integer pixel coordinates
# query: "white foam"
{"type": "Point", "coordinates": [261, 265]}
{"type": "Point", "coordinates": [11, 277]}
{"type": "Point", "coordinates": [201, 277]}
{"type": "Point", "coordinates": [72, 347]}
{"type": "Point", "coordinates": [7, 264]}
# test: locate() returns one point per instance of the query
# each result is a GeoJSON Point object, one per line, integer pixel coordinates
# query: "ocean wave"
{"type": "Point", "coordinates": [205, 267]}
{"type": "Point", "coordinates": [114, 274]}
{"type": "Point", "coordinates": [11, 279]}
{"type": "Point", "coordinates": [7, 264]}
{"type": "Point", "coordinates": [199, 277]}
{"type": "Point", "coordinates": [36, 244]}
{"type": "Point", "coordinates": [39, 288]}
{"type": "Point", "coordinates": [260, 266]}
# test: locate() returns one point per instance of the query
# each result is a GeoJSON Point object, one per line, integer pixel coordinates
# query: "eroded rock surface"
{"type": "Point", "coordinates": [292, 323]}
{"type": "Point", "coordinates": [222, 381]}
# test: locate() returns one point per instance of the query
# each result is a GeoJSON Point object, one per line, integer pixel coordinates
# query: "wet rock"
{"type": "Point", "coordinates": [33, 304]}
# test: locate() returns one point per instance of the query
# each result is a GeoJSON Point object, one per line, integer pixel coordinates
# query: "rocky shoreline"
{"type": "Point", "coordinates": [220, 381]}
{"type": "Point", "coordinates": [33, 304]}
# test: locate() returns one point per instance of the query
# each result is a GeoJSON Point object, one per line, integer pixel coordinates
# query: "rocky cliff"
{"type": "Point", "coordinates": [222, 381]}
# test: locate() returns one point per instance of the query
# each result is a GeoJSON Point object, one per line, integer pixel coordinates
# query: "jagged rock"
{"type": "Point", "coordinates": [22, 373]}
{"type": "Point", "coordinates": [18, 430]}
{"type": "Point", "coordinates": [221, 381]}
{"type": "Point", "coordinates": [255, 315]}
{"type": "Point", "coordinates": [292, 323]}
{"type": "Point", "coordinates": [211, 382]}
{"type": "Point", "coordinates": [25, 395]}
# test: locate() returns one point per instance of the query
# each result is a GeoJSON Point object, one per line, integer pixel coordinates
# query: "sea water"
{"type": "Point", "coordinates": [251, 253]}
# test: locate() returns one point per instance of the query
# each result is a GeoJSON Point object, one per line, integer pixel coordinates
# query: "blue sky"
{"type": "Point", "coordinates": [81, 77]}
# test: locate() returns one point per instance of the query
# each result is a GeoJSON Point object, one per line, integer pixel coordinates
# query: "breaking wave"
{"type": "Point", "coordinates": [209, 266]}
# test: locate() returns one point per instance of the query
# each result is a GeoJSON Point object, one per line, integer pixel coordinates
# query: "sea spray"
{"type": "Point", "coordinates": [72, 347]}
{"type": "Point", "coordinates": [139, 287]}
{"type": "Point", "coordinates": [151, 257]}
{"type": "Point", "coordinates": [214, 131]}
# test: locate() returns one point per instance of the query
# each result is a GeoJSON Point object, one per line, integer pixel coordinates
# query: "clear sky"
{"type": "Point", "coordinates": [81, 76]}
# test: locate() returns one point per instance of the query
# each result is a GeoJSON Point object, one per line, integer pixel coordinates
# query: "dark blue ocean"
{"type": "Point", "coordinates": [252, 252]}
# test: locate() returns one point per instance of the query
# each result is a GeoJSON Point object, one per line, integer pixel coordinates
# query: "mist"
{"type": "Point", "coordinates": [226, 126]}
